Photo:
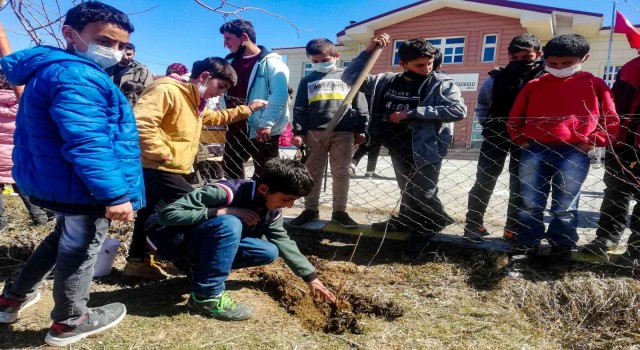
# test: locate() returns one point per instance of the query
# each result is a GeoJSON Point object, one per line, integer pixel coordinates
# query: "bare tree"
{"type": "Point", "coordinates": [42, 22]}
{"type": "Point", "coordinates": [226, 9]}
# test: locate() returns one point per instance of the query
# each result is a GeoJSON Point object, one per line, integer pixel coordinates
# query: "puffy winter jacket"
{"type": "Point", "coordinates": [76, 140]}
{"type": "Point", "coordinates": [8, 110]}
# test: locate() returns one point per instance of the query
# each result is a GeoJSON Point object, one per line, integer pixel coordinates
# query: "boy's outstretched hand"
{"type": "Point", "coordinates": [298, 141]}
{"type": "Point", "coordinates": [382, 40]}
{"type": "Point", "coordinates": [257, 105]}
{"type": "Point", "coordinates": [397, 117]}
{"type": "Point", "coordinates": [120, 212]}
{"type": "Point", "coordinates": [318, 290]}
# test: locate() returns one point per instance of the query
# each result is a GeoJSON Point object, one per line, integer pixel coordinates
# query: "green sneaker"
{"type": "Point", "coordinates": [222, 308]}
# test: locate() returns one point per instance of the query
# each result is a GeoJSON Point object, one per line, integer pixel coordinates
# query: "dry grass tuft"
{"type": "Point", "coordinates": [587, 311]}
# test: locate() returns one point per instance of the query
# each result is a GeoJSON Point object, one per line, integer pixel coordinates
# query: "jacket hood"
{"type": "Point", "coordinates": [21, 66]}
{"type": "Point", "coordinates": [188, 90]}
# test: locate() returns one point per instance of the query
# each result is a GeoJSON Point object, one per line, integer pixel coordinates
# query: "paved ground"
{"type": "Point", "coordinates": [371, 200]}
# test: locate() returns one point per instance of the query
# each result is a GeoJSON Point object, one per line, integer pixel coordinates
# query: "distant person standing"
{"type": "Point", "coordinates": [261, 75]}
{"type": "Point", "coordinates": [130, 76]}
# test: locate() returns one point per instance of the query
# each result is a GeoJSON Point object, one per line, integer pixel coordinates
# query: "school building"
{"type": "Point", "coordinates": [474, 36]}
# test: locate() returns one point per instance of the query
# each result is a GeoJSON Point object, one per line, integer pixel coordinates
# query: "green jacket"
{"type": "Point", "coordinates": [199, 205]}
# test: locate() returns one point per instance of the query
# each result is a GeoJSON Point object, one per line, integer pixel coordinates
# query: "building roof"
{"type": "Point", "coordinates": [502, 3]}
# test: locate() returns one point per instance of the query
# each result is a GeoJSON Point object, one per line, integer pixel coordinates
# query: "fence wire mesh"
{"type": "Point", "coordinates": [556, 191]}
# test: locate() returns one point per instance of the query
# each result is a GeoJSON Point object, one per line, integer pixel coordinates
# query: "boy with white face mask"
{"type": "Point", "coordinates": [319, 96]}
{"type": "Point", "coordinates": [557, 119]}
{"type": "Point", "coordinates": [84, 165]}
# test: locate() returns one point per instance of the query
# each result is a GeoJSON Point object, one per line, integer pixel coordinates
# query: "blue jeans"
{"type": "Point", "coordinates": [72, 248]}
{"type": "Point", "coordinates": [218, 245]}
{"type": "Point", "coordinates": [561, 170]}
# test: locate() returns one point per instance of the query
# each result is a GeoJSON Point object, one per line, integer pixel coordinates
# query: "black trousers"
{"type": "Point", "coordinates": [370, 148]}
{"type": "Point", "coordinates": [239, 148]}
{"type": "Point", "coordinates": [620, 189]}
{"type": "Point", "coordinates": [160, 187]}
{"type": "Point", "coordinates": [419, 203]}
{"type": "Point", "coordinates": [493, 154]}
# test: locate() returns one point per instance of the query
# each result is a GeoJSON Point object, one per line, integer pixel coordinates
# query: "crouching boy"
{"type": "Point", "coordinates": [226, 221]}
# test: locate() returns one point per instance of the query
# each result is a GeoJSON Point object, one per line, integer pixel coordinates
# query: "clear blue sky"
{"type": "Point", "coordinates": [183, 31]}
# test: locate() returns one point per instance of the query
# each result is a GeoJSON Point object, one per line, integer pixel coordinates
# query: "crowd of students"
{"type": "Point", "coordinates": [83, 152]}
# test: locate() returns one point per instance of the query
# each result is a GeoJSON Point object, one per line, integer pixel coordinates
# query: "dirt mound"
{"type": "Point", "coordinates": [293, 294]}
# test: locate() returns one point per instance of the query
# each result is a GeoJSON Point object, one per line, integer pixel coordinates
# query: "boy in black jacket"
{"type": "Point", "coordinates": [495, 99]}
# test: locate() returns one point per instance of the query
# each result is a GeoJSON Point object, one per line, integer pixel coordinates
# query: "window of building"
{"type": "Point", "coordinates": [345, 64]}
{"type": "Point", "coordinates": [489, 47]}
{"type": "Point", "coordinates": [452, 48]}
{"type": "Point", "coordinates": [306, 69]}
{"type": "Point", "coordinates": [610, 76]}
{"type": "Point", "coordinates": [396, 57]}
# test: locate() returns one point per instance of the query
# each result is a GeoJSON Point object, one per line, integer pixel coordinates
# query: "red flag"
{"type": "Point", "coordinates": [623, 26]}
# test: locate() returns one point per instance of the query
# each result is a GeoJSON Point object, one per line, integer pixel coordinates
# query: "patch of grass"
{"type": "Point", "coordinates": [454, 299]}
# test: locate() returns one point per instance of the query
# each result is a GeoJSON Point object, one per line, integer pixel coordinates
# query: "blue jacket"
{"type": "Point", "coordinates": [269, 81]}
{"type": "Point", "coordinates": [76, 139]}
{"type": "Point", "coordinates": [430, 122]}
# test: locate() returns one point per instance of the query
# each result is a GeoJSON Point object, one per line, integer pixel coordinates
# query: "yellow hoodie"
{"type": "Point", "coordinates": [169, 124]}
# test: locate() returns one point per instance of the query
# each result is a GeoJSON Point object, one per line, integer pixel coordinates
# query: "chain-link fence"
{"type": "Point", "coordinates": [550, 191]}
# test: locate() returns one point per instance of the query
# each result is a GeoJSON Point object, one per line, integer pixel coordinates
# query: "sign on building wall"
{"type": "Point", "coordinates": [466, 82]}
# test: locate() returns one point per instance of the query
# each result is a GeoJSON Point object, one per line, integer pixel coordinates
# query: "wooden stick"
{"type": "Point", "coordinates": [5, 49]}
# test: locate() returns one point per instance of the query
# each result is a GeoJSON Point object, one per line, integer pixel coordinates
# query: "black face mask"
{"type": "Point", "coordinates": [415, 76]}
{"type": "Point", "coordinates": [521, 66]}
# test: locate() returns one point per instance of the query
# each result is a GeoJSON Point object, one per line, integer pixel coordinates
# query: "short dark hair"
{"type": "Point", "coordinates": [567, 45]}
{"type": "Point", "coordinates": [238, 27]}
{"type": "Point", "coordinates": [93, 11]}
{"type": "Point", "coordinates": [524, 42]}
{"type": "Point", "coordinates": [286, 176]}
{"type": "Point", "coordinates": [321, 46]}
{"type": "Point", "coordinates": [413, 49]}
{"type": "Point", "coordinates": [437, 60]}
{"type": "Point", "coordinates": [217, 67]}
{"type": "Point", "coordinates": [130, 46]}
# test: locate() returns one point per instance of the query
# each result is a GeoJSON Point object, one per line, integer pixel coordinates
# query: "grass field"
{"type": "Point", "coordinates": [452, 299]}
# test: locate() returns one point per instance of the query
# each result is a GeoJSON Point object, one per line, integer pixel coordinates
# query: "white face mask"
{"type": "Point", "coordinates": [202, 88]}
{"type": "Point", "coordinates": [565, 72]}
{"type": "Point", "coordinates": [103, 56]}
{"type": "Point", "coordinates": [323, 67]}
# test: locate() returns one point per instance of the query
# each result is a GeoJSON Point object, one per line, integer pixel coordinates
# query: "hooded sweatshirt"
{"type": "Point", "coordinates": [76, 140]}
{"type": "Point", "coordinates": [560, 111]}
{"type": "Point", "coordinates": [170, 123]}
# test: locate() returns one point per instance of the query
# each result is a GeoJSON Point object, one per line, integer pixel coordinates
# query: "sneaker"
{"type": "Point", "coordinates": [393, 224]}
{"type": "Point", "coordinates": [508, 234]}
{"type": "Point", "coordinates": [342, 218]}
{"type": "Point", "coordinates": [352, 170]}
{"type": "Point", "coordinates": [416, 246]}
{"type": "Point", "coordinates": [97, 320]}
{"type": "Point", "coordinates": [476, 234]}
{"type": "Point", "coordinates": [147, 269]}
{"type": "Point", "coordinates": [10, 308]}
{"type": "Point", "coordinates": [600, 246]}
{"type": "Point", "coordinates": [306, 216]}
{"type": "Point", "coordinates": [223, 308]}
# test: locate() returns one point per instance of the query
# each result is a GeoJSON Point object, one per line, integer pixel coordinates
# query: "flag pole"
{"type": "Point", "coordinates": [607, 70]}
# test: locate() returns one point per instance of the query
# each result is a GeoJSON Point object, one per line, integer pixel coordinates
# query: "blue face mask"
{"type": "Point", "coordinates": [323, 67]}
